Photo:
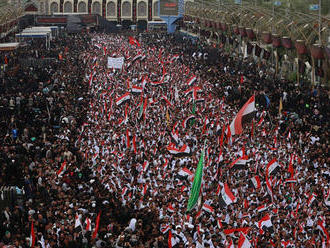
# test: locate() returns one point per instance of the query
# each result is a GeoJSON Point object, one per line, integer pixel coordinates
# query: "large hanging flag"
{"type": "Point", "coordinates": [32, 236]}
{"type": "Point", "coordinates": [197, 183]}
{"type": "Point", "coordinates": [96, 225]}
{"type": "Point", "coordinates": [244, 115]}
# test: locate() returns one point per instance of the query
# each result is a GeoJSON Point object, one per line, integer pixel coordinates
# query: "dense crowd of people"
{"type": "Point", "coordinates": [106, 157]}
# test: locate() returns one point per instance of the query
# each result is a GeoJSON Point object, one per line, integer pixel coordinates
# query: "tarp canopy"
{"type": "Point", "coordinates": [8, 46]}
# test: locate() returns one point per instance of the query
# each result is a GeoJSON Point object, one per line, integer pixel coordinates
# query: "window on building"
{"type": "Point", "coordinates": [82, 7]}
{"type": "Point", "coordinates": [53, 7]}
{"type": "Point", "coordinates": [96, 9]}
{"type": "Point", "coordinates": [111, 9]}
{"type": "Point", "coordinates": [155, 8]}
{"type": "Point", "coordinates": [126, 9]}
{"type": "Point", "coordinates": [142, 9]}
{"type": "Point", "coordinates": [67, 7]}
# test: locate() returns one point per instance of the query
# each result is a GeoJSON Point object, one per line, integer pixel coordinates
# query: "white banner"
{"type": "Point", "coordinates": [116, 63]}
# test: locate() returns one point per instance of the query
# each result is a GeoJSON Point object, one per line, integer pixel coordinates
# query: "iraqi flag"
{"type": "Point", "coordinates": [243, 242]}
{"type": "Point", "coordinates": [174, 57]}
{"type": "Point", "coordinates": [145, 166]}
{"type": "Point", "coordinates": [88, 227]}
{"type": "Point", "coordinates": [175, 135]}
{"type": "Point", "coordinates": [256, 182]}
{"type": "Point", "coordinates": [133, 41]}
{"type": "Point", "coordinates": [96, 225]}
{"type": "Point", "coordinates": [137, 89]}
{"type": "Point", "coordinates": [139, 56]}
{"type": "Point", "coordinates": [199, 100]}
{"type": "Point", "coordinates": [32, 236]}
{"type": "Point", "coordinates": [244, 230]}
{"type": "Point", "coordinates": [171, 208]}
{"type": "Point", "coordinates": [269, 186]}
{"type": "Point", "coordinates": [171, 241]}
{"type": "Point", "coordinates": [184, 150]}
{"type": "Point", "coordinates": [62, 170]}
{"type": "Point", "coordinates": [264, 222]}
{"type": "Point", "coordinates": [157, 83]}
{"type": "Point", "coordinates": [185, 172]}
{"type": "Point", "coordinates": [188, 91]}
{"type": "Point", "coordinates": [164, 228]}
{"type": "Point", "coordinates": [239, 163]}
{"type": "Point", "coordinates": [272, 167]}
{"type": "Point", "coordinates": [77, 222]}
{"type": "Point", "coordinates": [245, 114]}
{"type": "Point", "coordinates": [191, 80]}
{"type": "Point", "coordinates": [311, 199]}
{"type": "Point", "coordinates": [123, 98]}
{"type": "Point", "coordinates": [226, 197]}
{"type": "Point", "coordinates": [208, 208]}
{"type": "Point", "coordinates": [261, 208]}
{"type": "Point", "coordinates": [321, 225]}
{"type": "Point", "coordinates": [186, 121]}
{"type": "Point", "coordinates": [167, 101]}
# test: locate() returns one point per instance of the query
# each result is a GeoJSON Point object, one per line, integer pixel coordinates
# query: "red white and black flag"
{"type": "Point", "coordinates": [122, 99]}
{"type": "Point", "coordinates": [32, 236]}
{"type": "Point", "coordinates": [245, 114]}
{"type": "Point", "coordinates": [239, 163]}
{"type": "Point", "coordinates": [226, 196]}
{"type": "Point", "coordinates": [255, 181]}
{"type": "Point", "coordinates": [272, 167]}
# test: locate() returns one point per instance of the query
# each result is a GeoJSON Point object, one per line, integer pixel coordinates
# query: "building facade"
{"type": "Point", "coordinates": [112, 10]}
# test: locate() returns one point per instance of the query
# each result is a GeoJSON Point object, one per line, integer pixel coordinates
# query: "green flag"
{"type": "Point", "coordinates": [196, 186]}
{"type": "Point", "coordinates": [141, 108]}
{"type": "Point", "coordinates": [194, 108]}
{"type": "Point", "coordinates": [192, 122]}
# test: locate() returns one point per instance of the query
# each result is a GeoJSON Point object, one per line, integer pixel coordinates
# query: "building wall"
{"type": "Point", "coordinates": [129, 9]}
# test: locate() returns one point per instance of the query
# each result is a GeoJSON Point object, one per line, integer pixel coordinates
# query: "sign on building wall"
{"type": "Point", "coordinates": [168, 8]}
